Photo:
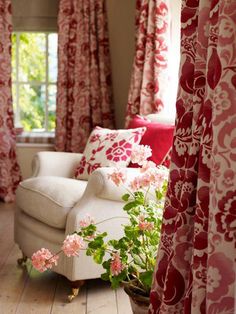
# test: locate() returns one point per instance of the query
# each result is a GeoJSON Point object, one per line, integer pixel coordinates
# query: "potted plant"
{"type": "Point", "coordinates": [130, 260]}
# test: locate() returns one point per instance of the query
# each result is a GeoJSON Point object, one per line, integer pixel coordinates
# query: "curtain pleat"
{"type": "Point", "coordinates": [195, 270]}
{"type": "Point", "coordinates": [9, 168]}
{"type": "Point", "coordinates": [149, 82]}
{"type": "Point", "coordinates": [84, 98]}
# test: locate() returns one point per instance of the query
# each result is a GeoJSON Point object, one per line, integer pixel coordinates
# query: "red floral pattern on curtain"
{"type": "Point", "coordinates": [84, 76]}
{"type": "Point", "coordinates": [148, 88]}
{"type": "Point", "coordinates": [195, 270]}
{"type": "Point", "coordinates": [9, 168]}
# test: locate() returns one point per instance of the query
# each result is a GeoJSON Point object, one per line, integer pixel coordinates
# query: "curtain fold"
{"type": "Point", "coordinates": [84, 97]}
{"type": "Point", "coordinates": [195, 270]}
{"type": "Point", "coordinates": [148, 88]}
{"type": "Point", "coordinates": [9, 168]}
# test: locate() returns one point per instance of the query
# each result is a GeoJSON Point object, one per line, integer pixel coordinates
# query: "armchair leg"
{"type": "Point", "coordinates": [75, 285]}
{"type": "Point", "coordinates": [22, 260]}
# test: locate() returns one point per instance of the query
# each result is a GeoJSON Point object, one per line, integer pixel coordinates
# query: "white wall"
{"type": "Point", "coordinates": [25, 154]}
{"type": "Point", "coordinates": [174, 56]}
{"type": "Point", "coordinates": [121, 24]}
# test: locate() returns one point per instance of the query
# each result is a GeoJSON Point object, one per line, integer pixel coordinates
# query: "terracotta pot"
{"type": "Point", "coordinates": [139, 303]}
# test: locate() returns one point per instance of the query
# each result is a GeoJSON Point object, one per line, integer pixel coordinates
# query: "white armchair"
{"type": "Point", "coordinates": [50, 205]}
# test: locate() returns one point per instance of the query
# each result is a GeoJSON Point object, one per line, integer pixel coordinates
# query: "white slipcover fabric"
{"type": "Point", "coordinates": [49, 198]}
{"type": "Point", "coordinates": [50, 206]}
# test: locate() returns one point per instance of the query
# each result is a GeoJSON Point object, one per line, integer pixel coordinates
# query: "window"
{"type": "Point", "coordinates": [34, 73]}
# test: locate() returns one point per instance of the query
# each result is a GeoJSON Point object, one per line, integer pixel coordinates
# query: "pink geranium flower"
{"type": "Point", "coordinates": [157, 176]}
{"type": "Point", "coordinates": [147, 165]}
{"type": "Point", "coordinates": [135, 184]}
{"type": "Point", "coordinates": [72, 244]}
{"type": "Point", "coordinates": [43, 260]}
{"type": "Point", "coordinates": [145, 180]}
{"type": "Point", "coordinates": [116, 265]}
{"type": "Point", "coordinates": [145, 225]}
{"type": "Point", "coordinates": [118, 177]}
{"type": "Point", "coordinates": [140, 154]}
{"type": "Point", "coordinates": [88, 220]}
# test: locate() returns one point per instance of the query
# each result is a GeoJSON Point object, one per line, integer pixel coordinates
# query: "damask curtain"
{"type": "Point", "coordinates": [149, 81]}
{"type": "Point", "coordinates": [84, 97]}
{"type": "Point", "coordinates": [9, 168]}
{"type": "Point", "coordinates": [195, 270]}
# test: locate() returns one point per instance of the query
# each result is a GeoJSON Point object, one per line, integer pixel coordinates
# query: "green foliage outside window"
{"type": "Point", "coordinates": [31, 79]}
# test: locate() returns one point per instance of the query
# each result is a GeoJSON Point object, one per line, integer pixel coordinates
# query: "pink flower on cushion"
{"type": "Point", "coordinates": [119, 151]}
{"type": "Point", "coordinates": [140, 154]}
{"type": "Point", "coordinates": [116, 265]}
{"type": "Point", "coordinates": [118, 177]}
{"type": "Point", "coordinates": [145, 225]}
{"type": "Point", "coordinates": [94, 138]}
{"type": "Point", "coordinates": [88, 220]}
{"type": "Point", "coordinates": [72, 244]}
{"type": "Point", "coordinates": [80, 169]}
{"type": "Point", "coordinates": [93, 167]}
{"type": "Point", "coordinates": [111, 136]}
{"type": "Point", "coordinates": [43, 260]}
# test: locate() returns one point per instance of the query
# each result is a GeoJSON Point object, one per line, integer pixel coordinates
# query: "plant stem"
{"type": "Point", "coordinates": [108, 219]}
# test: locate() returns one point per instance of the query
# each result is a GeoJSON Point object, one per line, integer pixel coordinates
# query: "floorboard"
{"type": "Point", "coordinates": [6, 231]}
{"type": "Point", "coordinates": [101, 298]}
{"type": "Point", "coordinates": [12, 282]}
{"type": "Point", "coordinates": [61, 304]}
{"type": "Point", "coordinates": [23, 290]}
{"type": "Point", "coordinates": [123, 304]}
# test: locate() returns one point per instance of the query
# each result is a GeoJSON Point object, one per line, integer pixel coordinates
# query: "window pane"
{"type": "Point", "coordinates": [52, 57]}
{"type": "Point", "coordinates": [32, 106]}
{"type": "Point", "coordinates": [13, 57]}
{"type": "Point", "coordinates": [14, 97]}
{"type": "Point", "coordinates": [52, 90]}
{"type": "Point", "coordinates": [32, 59]}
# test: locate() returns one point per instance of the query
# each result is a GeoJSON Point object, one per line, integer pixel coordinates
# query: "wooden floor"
{"type": "Point", "coordinates": [25, 291]}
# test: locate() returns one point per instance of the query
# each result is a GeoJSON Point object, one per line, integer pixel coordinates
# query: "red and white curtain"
{"type": "Point", "coordinates": [9, 168]}
{"type": "Point", "coordinates": [195, 270]}
{"type": "Point", "coordinates": [149, 81]}
{"type": "Point", "coordinates": [84, 79]}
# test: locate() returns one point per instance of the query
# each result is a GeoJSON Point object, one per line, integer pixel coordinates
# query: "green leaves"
{"type": "Point", "coordinates": [159, 195]}
{"type": "Point", "coordinates": [98, 255]}
{"type": "Point", "coordinates": [125, 197]}
{"type": "Point", "coordinates": [105, 276]}
{"type": "Point", "coordinates": [116, 280]}
{"type": "Point", "coordinates": [96, 243]}
{"type": "Point", "coordinates": [131, 205]}
{"type": "Point", "coordinates": [146, 279]}
{"type": "Point", "coordinates": [88, 231]}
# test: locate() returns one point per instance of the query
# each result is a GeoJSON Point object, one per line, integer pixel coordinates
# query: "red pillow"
{"type": "Point", "coordinates": [158, 136]}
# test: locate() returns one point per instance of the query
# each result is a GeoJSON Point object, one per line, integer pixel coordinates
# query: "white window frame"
{"type": "Point", "coordinates": [18, 82]}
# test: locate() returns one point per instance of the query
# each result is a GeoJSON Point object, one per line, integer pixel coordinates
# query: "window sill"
{"type": "Point", "coordinates": [33, 138]}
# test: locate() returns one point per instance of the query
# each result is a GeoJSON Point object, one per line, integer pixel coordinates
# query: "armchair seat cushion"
{"type": "Point", "coordinates": [49, 198]}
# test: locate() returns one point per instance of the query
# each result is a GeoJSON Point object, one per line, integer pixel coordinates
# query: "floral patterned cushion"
{"type": "Point", "coordinates": [108, 148]}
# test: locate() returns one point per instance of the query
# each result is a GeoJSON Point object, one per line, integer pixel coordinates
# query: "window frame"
{"type": "Point", "coordinates": [45, 83]}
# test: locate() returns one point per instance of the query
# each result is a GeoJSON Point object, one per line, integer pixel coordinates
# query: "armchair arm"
{"type": "Point", "coordinates": [102, 199]}
{"type": "Point", "coordinates": [55, 164]}
{"type": "Point", "coordinates": [102, 187]}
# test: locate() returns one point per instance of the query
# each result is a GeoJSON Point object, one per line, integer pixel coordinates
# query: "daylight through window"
{"type": "Point", "coordinates": [34, 66]}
